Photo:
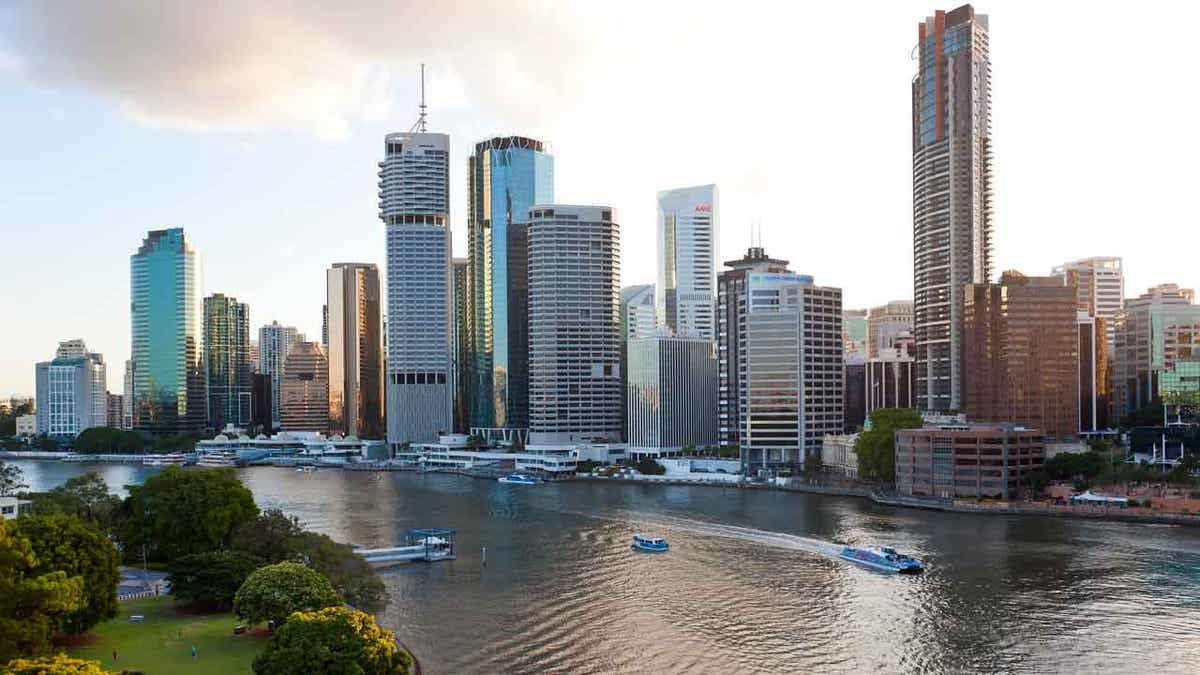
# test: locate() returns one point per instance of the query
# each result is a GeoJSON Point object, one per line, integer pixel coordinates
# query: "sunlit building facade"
{"type": "Point", "coordinates": [1100, 284]}
{"type": "Point", "coordinates": [304, 399]}
{"type": "Point", "coordinates": [885, 323]}
{"type": "Point", "coordinates": [1154, 332]}
{"type": "Point", "coordinates": [227, 362]}
{"type": "Point", "coordinates": [70, 391]}
{"type": "Point", "coordinates": [274, 343]}
{"type": "Point", "coordinates": [688, 248]}
{"type": "Point", "coordinates": [355, 350]}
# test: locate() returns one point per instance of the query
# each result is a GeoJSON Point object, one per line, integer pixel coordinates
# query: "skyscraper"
{"type": "Point", "coordinates": [274, 343]}
{"type": "Point", "coordinates": [732, 301]}
{"type": "Point", "coordinates": [167, 331]}
{"type": "Point", "coordinates": [354, 352]}
{"type": "Point", "coordinates": [671, 393]}
{"type": "Point", "coordinates": [506, 176]}
{"type": "Point", "coordinates": [227, 361]}
{"type": "Point", "coordinates": [1100, 283]}
{"type": "Point", "coordinates": [1156, 332]}
{"type": "Point", "coordinates": [885, 323]}
{"type": "Point", "coordinates": [70, 391]}
{"type": "Point", "coordinates": [574, 308]}
{"type": "Point", "coordinates": [304, 401]}
{"type": "Point", "coordinates": [688, 243]}
{"type": "Point", "coordinates": [461, 355]}
{"type": "Point", "coordinates": [952, 193]}
{"type": "Point", "coordinates": [637, 321]}
{"type": "Point", "coordinates": [414, 204]}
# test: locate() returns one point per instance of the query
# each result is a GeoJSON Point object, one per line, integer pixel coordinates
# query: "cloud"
{"type": "Point", "coordinates": [306, 66]}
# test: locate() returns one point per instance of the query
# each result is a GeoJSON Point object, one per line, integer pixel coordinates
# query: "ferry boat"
{"type": "Point", "coordinates": [170, 459]}
{"type": "Point", "coordinates": [518, 479]}
{"type": "Point", "coordinates": [217, 460]}
{"type": "Point", "coordinates": [884, 559]}
{"type": "Point", "coordinates": [306, 469]}
{"type": "Point", "coordinates": [649, 544]}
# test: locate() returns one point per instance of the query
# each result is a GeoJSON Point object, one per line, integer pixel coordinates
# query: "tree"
{"type": "Point", "coordinates": [876, 448]}
{"type": "Point", "coordinates": [332, 640]}
{"type": "Point", "coordinates": [210, 579]}
{"type": "Point", "coordinates": [650, 467]}
{"type": "Point", "coordinates": [271, 536]}
{"type": "Point", "coordinates": [59, 664]}
{"type": "Point", "coordinates": [108, 440]}
{"type": "Point", "coordinates": [12, 479]}
{"type": "Point", "coordinates": [45, 443]}
{"type": "Point", "coordinates": [273, 592]}
{"type": "Point", "coordinates": [729, 451]}
{"type": "Point", "coordinates": [183, 511]}
{"type": "Point", "coordinates": [78, 548]}
{"type": "Point", "coordinates": [351, 576]}
{"type": "Point", "coordinates": [813, 464]}
{"type": "Point", "coordinates": [85, 496]}
{"type": "Point", "coordinates": [31, 602]}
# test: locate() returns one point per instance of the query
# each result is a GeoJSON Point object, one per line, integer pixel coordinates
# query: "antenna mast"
{"type": "Point", "coordinates": [420, 125]}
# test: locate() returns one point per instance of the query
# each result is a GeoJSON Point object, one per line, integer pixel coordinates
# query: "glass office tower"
{"type": "Point", "coordinates": [227, 361]}
{"type": "Point", "coordinates": [507, 176]}
{"type": "Point", "coordinates": [168, 349]}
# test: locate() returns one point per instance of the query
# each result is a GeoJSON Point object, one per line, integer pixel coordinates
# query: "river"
{"type": "Point", "coordinates": [750, 584]}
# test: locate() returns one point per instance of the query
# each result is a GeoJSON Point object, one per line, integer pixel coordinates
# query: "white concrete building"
{"type": "Point", "coordinates": [71, 391]}
{"type": "Point", "coordinates": [688, 247]}
{"type": "Point", "coordinates": [791, 370]}
{"type": "Point", "coordinates": [11, 507]}
{"type": "Point", "coordinates": [671, 397]}
{"type": "Point", "coordinates": [1100, 282]}
{"type": "Point", "coordinates": [414, 204]}
{"type": "Point", "coordinates": [638, 318]}
{"type": "Point", "coordinates": [27, 425]}
{"type": "Point", "coordinates": [838, 455]}
{"type": "Point", "coordinates": [574, 331]}
{"type": "Point", "coordinates": [274, 343]}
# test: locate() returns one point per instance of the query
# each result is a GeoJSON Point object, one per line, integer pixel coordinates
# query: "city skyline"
{"type": "Point", "coordinates": [83, 139]}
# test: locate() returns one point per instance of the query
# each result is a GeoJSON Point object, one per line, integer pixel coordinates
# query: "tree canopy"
{"type": "Point", "coordinates": [108, 440]}
{"type": "Point", "coordinates": [59, 664]}
{"type": "Point", "coordinates": [211, 579]}
{"type": "Point", "coordinates": [184, 511]}
{"type": "Point", "coordinates": [12, 479]}
{"type": "Point", "coordinates": [273, 592]}
{"type": "Point", "coordinates": [85, 496]}
{"type": "Point", "coordinates": [31, 602]}
{"type": "Point", "coordinates": [80, 549]}
{"type": "Point", "coordinates": [271, 536]}
{"type": "Point", "coordinates": [876, 448]}
{"type": "Point", "coordinates": [332, 640]}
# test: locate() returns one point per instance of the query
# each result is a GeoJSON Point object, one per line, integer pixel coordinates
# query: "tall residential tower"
{"type": "Point", "coordinates": [952, 193]}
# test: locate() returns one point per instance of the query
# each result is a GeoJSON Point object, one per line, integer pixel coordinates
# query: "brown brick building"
{"type": "Point", "coordinates": [1020, 353]}
{"type": "Point", "coordinates": [964, 461]}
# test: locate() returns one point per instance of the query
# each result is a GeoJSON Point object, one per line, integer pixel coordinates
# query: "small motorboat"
{"type": "Point", "coordinates": [649, 544]}
{"type": "Point", "coordinates": [518, 479]}
{"type": "Point", "coordinates": [306, 469]}
{"type": "Point", "coordinates": [884, 559]}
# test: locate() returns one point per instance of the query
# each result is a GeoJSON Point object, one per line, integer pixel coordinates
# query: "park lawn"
{"type": "Point", "coordinates": [155, 646]}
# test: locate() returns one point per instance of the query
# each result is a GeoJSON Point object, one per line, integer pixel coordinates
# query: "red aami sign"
{"type": "Point", "coordinates": [704, 208]}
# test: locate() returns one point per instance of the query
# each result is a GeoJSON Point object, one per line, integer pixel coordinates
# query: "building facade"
{"type": "Point", "coordinates": [1094, 388]}
{"type": "Point", "coordinates": [672, 393]}
{"type": "Point", "coordinates": [506, 177]}
{"type": "Point", "coordinates": [261, 408]}
{"type": "Point", "coordinates": [116, 406]}
{"type": "Point", "coordinates": [227, 362]}
{"type": "Point", "coordinates": [967, 461]}
{"type": "Point", "coordinates": [575, 333]}
{"type": "Point", "coordinates": [732, 303]}
{"type": "Point", "coordinates": [462, 378]}
{"type": "Point", "coordinates": [952, 193]}
{"type": "Point", "coordinates": [638, 320]}
{"type": "Point", "coordinates": [791, 371]}
{"type": "Point", "coordinates": [1021, 353]}
{"type": "Point", "coordinates": [304, 401]}
{"type": "Point", "coordinates": [1100, 284]}
{"type": "Point", "coordinates": [891, 380]}
{"type": "Point", "coordinates": [355, 350]}
{"type": "Point", "coordinates": [414, 180]}
{"type": "Point", "coordinates": [838, 455]}
{"type": "Point", "coordinates": [274, 343]}
{"type": "Point", "coordinates": [885, 323]}
{"type": "Point", "coordinates": [71, 394]}
{"type": "Point", "coordinates": [1154, 332]}
{"type": "Point", "coordinates": [27, 425]}
{"type": "Point", "coordinates": [854, 332]}
{"type": "Point", "coordinates": [688, 248]}
{"type": "Point", "coordinates": [127, 402]}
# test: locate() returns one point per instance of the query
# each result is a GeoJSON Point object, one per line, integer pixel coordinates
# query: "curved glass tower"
{"type": "Point", "coordinates": [507, 176]}
{"type": "Point", "coordinates": [169, 377]}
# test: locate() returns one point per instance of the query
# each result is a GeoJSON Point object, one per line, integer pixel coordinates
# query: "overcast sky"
{"type": "Point", "coordinates": [257, 129]}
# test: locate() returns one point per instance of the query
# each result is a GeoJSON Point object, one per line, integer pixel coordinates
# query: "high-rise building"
{"type": "Point", "coordinates": [854, 391]}
{"type": "Point", "coordinates": [70, 391]}
{"type": "Point", "coordinates": [506, 176]}
{"type": "Point", "coordinates": [732, 303]}
{"type": "Point", "coordinates": [885, 323]}
{"type": "Point", "coordinates": [637, 321]}
{"type": "Point", "coordinates": [891, 381]}
{"type": "Point", "coordinates": [227, 361]}
{"type": "Point", "coordinates": [461, 355]}
{"type": "Point", "coordinates": [791, 371]}
{"type": "Point", "coordinates": [575, 333]}
{"type": "Point", "coordinates": [255, 357]}
{"type": "Point", "coordinates": [1154, 332]}
{"type": "Point", "coordinates": [1094, 388]}
{"type": "Point", "coordinates": [116, 406]}
{"type": "Point", "coordinates": [304, 401]}
{"type": "Point", "coordinates": [1100, 283]}
{"type": "Point", "coordinates": [263, 399]}
{"type": "Point", "coordinates": [1021, 353]}
{"type": "Point", "coordinates": [672, 393]}
{"type": "Point", "coordinates": [414, 204]}
{"type": "Point", "coordinates": [952, 193]}
{"type": "Point", "coordinates": [355, 351]}
{"type": "Point", "coordinates": [688, 248]}
{"type": "Point", "coordinates": [127, 407]}
{"type": "Point", "coordinates": [274, 343]}
{"type": "Point", "coordinates": [854, 332]}
{"type": "Point", "coordinates": [168, 335]}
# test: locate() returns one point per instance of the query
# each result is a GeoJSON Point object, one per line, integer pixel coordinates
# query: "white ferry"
{"type": "Point", "coordinates": [170, 459]}
{"type": "Point", "coordinates": [218, 460]}
{"type": "Point", "coordinates": [518, 479]}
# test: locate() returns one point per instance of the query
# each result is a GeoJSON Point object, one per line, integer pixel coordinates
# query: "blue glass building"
{"type": "Point", "coordinates": [507, 176]}
{"type": "Point", "coordinates": [169, 382]}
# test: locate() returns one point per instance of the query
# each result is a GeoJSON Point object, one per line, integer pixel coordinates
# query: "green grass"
{"type": "Point", "coordinates": [156, 646]}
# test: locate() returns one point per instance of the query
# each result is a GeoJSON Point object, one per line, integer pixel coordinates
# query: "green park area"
{"type": "Point", "coordinates": [162, 643]}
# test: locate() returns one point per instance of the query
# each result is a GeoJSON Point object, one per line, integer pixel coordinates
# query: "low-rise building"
{"type": "Point", "coordinates": [966, 460]}
{"type": "Point", "coordinates": [838, 455]}
{"type": "Point", "coordinates": [11, 507]}
{"type": "Point", "coordinates": [27, 425]}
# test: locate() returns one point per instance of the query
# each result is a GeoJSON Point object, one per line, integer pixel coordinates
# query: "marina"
{"type": "Point", "coordinates": [425, 544]}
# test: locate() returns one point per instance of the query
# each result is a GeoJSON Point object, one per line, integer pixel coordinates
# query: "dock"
{"type": "Point", "coordinates": [424, 545]}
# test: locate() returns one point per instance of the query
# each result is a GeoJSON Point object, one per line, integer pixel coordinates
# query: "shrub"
{"type": "Point", "coordinates": [273, 592]}
{"type": "Point", "coordinates": [59, 664]}
{"type": "Point", "coordinates": [210, 579]}
{"type": "Point", "coordinates": [332, 640]}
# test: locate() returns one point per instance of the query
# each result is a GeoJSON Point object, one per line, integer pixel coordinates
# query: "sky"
{"type": "Point", "coordinates": [257, 126]}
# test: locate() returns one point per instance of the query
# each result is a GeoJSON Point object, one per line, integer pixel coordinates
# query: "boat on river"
{"type": "Point", "coordinates": [169, 459]}
{"type": "Point", "coordinates": [883, 559]}
{"type": "Point", "coordinates": [649, 544]}
{"type": "Point", "coordinates": [518, 479]}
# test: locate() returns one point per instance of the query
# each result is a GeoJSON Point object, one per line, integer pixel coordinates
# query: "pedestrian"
{"type": "Point", "coordinates": [193, 651]}
{"type": "Point", "coordinates": [114, 652]}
